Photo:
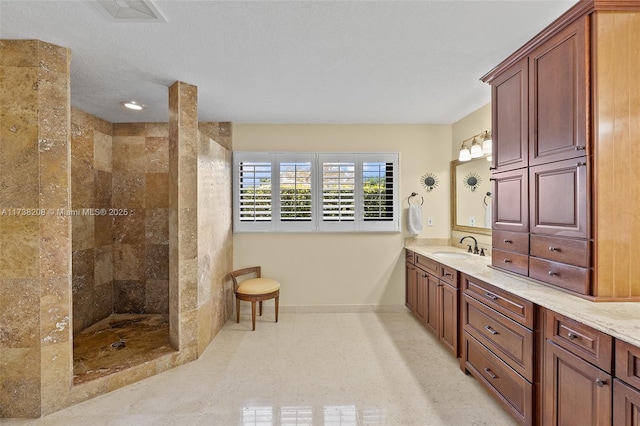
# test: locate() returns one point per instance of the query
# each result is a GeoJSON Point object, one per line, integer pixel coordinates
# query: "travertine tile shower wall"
{"type": "Point", "coordinates": [120, 202]}
{"type": "Point", "coordinates": [140, 207]}
{"type": "Point", "coordinates": [35, 247]}
{"type": "Point", "coordinates": [92, 249]}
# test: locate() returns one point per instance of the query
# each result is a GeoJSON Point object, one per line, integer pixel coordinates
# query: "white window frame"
{"type": "Point", "coordinates": [316, 224]}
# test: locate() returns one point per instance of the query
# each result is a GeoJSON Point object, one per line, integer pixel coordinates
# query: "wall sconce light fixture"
{"type": "Point", "coordinates": [476, 150]}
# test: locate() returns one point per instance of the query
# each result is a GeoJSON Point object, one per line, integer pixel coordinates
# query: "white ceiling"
{"type": "Point", "coordinates": [287, 61]}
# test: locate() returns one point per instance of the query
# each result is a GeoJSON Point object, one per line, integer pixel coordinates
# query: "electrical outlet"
{"type": "Point", "coordinates": [429, 221]}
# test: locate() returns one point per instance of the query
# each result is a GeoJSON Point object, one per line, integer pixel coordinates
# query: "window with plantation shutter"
{"type": "Point", "coordinates": [338, 192]}
{"type": "Point", "coordinates": [316, 192]}
{"type": "Point", "coordinates": [255, 192]}
{"type": "Point", "coordinates": [377, 190]}
{"type": "Point", "coordinates": [295, 188]}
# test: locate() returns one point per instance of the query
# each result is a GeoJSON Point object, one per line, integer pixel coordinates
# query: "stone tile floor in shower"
{"type": "Point", "coordinates": [118, 342]}
{"type": "Point", "coordinates": [309, 368]}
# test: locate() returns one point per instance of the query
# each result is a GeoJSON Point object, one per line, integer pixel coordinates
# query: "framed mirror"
{"type": "Point", "coordinates": [471, 196]}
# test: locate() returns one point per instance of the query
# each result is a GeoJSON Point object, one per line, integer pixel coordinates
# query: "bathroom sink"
{"type": "Point", "coordinates": [451, 254]}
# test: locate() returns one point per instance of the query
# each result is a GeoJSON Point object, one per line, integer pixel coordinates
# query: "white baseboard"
{"type": "Point", "coordinates": [268, 307]}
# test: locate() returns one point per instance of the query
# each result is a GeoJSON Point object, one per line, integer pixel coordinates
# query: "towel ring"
{"type": "Point", "coordinates": [413, 194]}
{"type": "Point", "coordinates": [485, 198]}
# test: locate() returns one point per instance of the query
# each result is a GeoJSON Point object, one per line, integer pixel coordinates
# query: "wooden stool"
{"type": "Point", "coordinates": [254, 290]}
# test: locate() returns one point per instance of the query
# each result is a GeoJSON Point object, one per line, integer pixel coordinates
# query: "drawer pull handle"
{"type": "Point", "coordinates": [553, 274]}
{"type": "Point", "coordinates": [601, 382]}
{"type": "Point", "coordinates": [572, 336]}
{"type": "Point", "coordinates": [581, 164]}
{"type": "Point", "coordinates": [579, 148]}
{"type": "Point", "coordinates": [507, 261]}
{"type": "Point", "coordinates": [493, 376]}
{"type": "Point", "coordinates": [448, 274]}
{"type": "Point", "coordinates": [490, 330]}
{"type": "Point", "coordinates": [553, 248]}
{"type": "Point", "coordinates": [491, 296]}
{"type": "Point", "coordinates": [425, 276]}
{"type": "Point", "coordinates": [507, 241]}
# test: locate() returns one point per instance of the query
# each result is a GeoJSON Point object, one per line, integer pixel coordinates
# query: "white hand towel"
{"type": "Point", "coordinates": [414, 219]}
{"type": "Point", "coordinates": [487, 216]}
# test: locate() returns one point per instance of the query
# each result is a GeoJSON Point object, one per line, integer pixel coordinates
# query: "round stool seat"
{"type": "Point", "coordinates": [258, 286]}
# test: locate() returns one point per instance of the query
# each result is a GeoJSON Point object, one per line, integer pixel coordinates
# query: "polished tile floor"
{"type": "Point", "coordinates": [309, 368]}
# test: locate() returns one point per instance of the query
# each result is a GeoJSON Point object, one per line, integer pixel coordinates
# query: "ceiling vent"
{"type": "Point", "coordinates": [132, 10]}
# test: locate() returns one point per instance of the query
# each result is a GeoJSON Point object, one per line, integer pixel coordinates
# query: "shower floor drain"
{"type": "Point", "coordinates": [118, 345]}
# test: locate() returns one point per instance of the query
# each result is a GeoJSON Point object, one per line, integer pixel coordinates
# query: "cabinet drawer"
{"type": "Point", "coordinates": [581, 340]}
{"type": "Point", "coordinates": [564, 250]}
{"type": "Point", "coordinates": [449, 275]}
{"type": "Point", "coordinates": [511, 389]}
{"type": "Point", "coordinates": [514, 307]}
{"type": "Point", "coordinates": [511, 241]}
{"type": "Point", "coordinates": [514, 262]}
{"type": "Point", "coordinates": [428, 265]}
{"type": "Point", "coordinates": [562, 275]}
{"type": "Point", "coordinates": [628, 363]}
{"type": "Point", "coordinates": [512, 342]}
{"type": "Point", "coordinates": [411, 257]}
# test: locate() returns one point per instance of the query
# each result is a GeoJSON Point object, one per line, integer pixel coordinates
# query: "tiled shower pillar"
{"type": "Point", "coordinates": [183, 220]}
{"type": "Point", "coordinates": [35, 243]}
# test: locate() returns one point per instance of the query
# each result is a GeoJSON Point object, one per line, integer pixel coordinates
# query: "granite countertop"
{"type": "Point", "coordinates": [618, 319]}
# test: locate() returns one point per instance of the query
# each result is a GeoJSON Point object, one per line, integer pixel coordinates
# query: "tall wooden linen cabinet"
{"type": "Point", "coordinates": [566, 153]}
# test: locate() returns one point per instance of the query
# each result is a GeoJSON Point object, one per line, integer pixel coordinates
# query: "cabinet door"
{"type": "Point", "coordinates": [448, 324]}
{"type": "Point", "coordinates": [411, 287]}
{"type": "Point", "coordinates": [574, 391]}
{"type": "Point", "coordinates": [558, 198]}
{"type": "Point", "coordinates": [432, 314]}
{"type": "Point", "coordinates": [509, 112]}
{"type": "Point", "coordinates": [626, 405]}
{"type": "Point", "coordinates": [558, 96]}
{"type": "Point", "coordinates": [422, 282]}
{"type": "Point", "coordinates": [510, 198]}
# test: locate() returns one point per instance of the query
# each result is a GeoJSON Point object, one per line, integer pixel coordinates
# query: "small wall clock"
{"type": "Point", "coordinates": [429, 181]}
{"type": "Point", "coordinates": [472, 181]}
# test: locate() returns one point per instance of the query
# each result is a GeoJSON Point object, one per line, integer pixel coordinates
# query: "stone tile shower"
{"type": "Point", "coordinates": [159, 271]}
{"type": "Point", "coordinates": [120, 243]}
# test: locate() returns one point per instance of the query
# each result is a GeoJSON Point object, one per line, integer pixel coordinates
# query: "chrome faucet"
{"type": "Point", "coordinates": [475, 248]}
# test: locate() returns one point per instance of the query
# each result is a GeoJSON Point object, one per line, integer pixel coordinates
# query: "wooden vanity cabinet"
{"type": "Point", "coordinates": [510, 198]}
{"type": "Point", "coordinates": [498, 345]}
{"type": "Point", "coordinates": [626, 404]}
{"type": "Point", "coordinates": [411, 281]}
{"type": "Point", "coordinates": [581, 175]}
{"type": "Point", "coordinates": [510, 99]}
{"type": "Point", "coordinates": [576, 374]}
{"type": "Point", "coordinates": [626, 386]}
{"type": "Point", "coordinates": [559, 95]}
{"type": "Point", "coordinates": [432, 295]}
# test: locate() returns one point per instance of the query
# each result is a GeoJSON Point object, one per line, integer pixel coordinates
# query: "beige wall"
{"type": "Point", "coordinates": [351, 268]}
{"type": "Point", "coordinates": [474, 123]}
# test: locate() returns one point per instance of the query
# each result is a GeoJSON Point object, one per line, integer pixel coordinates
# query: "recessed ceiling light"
{"type": "Point", "coordinates": [136, 106]}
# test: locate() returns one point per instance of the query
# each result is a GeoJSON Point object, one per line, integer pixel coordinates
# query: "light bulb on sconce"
{"type": "Point", "coordinates": [486, 143]}
{"type": "Point", "coordinates": [476, 149]}
{"type": "Point", "coordinates": [465, 154]}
